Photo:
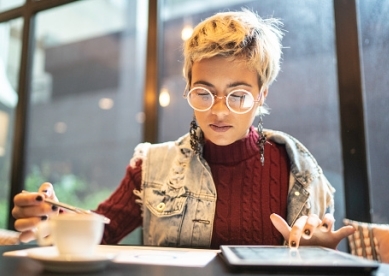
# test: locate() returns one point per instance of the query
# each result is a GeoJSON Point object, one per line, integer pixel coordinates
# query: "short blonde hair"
{"type": "Point", "coordinates": [240, 34]}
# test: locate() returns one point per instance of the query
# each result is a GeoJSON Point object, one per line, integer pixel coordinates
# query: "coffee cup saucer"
{"type": "Point", "coordinates": [52, 261]}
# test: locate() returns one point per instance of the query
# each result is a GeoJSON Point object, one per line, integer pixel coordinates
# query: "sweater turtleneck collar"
{"type": "Point", "coordinates": [234, 153]}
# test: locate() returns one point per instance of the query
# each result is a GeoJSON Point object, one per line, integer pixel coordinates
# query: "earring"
{"type": "Point", "coordinates": [261, 141]}
{"type": "Point", "coordinates": [195, 141]}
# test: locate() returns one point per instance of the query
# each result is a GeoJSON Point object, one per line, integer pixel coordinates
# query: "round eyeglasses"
{"type": "Point", "coordinates": [238, 101]}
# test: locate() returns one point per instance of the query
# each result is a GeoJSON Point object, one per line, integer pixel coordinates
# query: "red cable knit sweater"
{"type": "Point", "coordinates": [247, 193]}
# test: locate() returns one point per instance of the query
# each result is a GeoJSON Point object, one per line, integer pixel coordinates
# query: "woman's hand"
{"type": "Point", "coordinates": [30, 208]}
{"type": "Point", "coordinates": [311, 230]}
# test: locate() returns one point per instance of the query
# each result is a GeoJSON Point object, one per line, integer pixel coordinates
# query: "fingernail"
{"type": "Point", "coordinates": [307, 232]}
{"type": "Point", "coordinates": [324, 227]}
{"type": "Point", "coordinates": [293, 244]}
{"type": "Point", "coordinates": [44, 217]}
{"type": "Point", "coordinates": [39, 198]}
{"type": "Point", "coordinates": [54, 208]}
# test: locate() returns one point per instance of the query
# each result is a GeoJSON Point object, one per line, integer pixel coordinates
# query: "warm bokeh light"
{"type": "Point", "coordinates": [4, 122]}
{"type": "Point", "coordinates": [106, 103]}
{"type": "Point", "coordinates": [186, 32]}
{"type": "Point", "coordinates": [164, 97]}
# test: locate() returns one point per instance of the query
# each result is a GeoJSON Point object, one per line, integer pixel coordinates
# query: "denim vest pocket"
{"type": "Point", "coordinates": [163, 215]}
{"type": "Point", "coordinates": [298, 204]}
{"type": "Point", "coordinates": [165, 201]}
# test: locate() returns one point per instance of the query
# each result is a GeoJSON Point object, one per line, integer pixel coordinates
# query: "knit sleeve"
{"type": "Point", "coordinates": [121, 208]}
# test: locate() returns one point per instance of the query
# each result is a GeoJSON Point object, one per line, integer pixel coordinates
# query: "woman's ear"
{"type": "Point", "coordinates": [265, 90]}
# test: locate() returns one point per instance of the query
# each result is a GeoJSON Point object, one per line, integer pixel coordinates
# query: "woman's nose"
{"type": "Point", "coordinates": [220, 106]}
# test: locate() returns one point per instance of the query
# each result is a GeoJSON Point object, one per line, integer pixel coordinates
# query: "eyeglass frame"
{"type": "Point", "coordinates": [186, 93]}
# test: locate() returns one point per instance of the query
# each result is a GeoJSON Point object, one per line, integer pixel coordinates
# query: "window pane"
{"type": "Point", "coordinates": [303, 100]}
{"type": "Point", "coordinates": [10, 52]}
{"type": "Point", "coordinates": [374, 39]}
{"type": "Point", "coordinates": [10, 4]}
{"type": "Point", "coordinates": [86, 97]}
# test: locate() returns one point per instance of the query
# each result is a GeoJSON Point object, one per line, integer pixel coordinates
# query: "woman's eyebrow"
{"type": "Point", "coordinates": [230, 85]}
{"type": "Point", "coordinates": [203, 83]}
{"type": "Point", "coordinates": [238, 83]}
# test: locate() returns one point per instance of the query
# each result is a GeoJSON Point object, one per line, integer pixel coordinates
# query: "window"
{"type": "Point", "coordinates": [86, 97]}
{"type": "Point", "coordinates": [10, 37]}
{"type": "Point", "coordinates": [374, 38]}
{"type": "Point", "coordinates": [302, 102]}
{"type": "Point", "coordinates": [10, 4]}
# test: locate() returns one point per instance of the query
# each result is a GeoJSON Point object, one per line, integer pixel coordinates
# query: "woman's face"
{"type": "Point", "coordinates": [221, 76]}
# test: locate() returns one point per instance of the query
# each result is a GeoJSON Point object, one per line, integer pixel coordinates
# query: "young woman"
{"type": "Point", "coordinates": [225, 182]}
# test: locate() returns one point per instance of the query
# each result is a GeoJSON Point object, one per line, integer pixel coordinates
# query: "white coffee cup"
{"type": "Point", "coordinates": [72, 234]}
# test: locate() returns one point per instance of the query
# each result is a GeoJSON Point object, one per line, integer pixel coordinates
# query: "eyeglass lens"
{"type": "Point", "coordinates": [238, 101]}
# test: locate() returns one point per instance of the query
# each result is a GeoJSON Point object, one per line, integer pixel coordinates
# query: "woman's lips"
{"type": "Point", "coordinates": [219, 128]}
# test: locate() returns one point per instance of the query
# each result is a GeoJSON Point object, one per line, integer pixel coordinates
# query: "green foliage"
{"type": "Point", "coordinates": [3, 213]}
{"type": "Point", "coordinates": [69, 188]}
{"type": "Point", "coordinates": [34, 180]}
{"type": "Point", "coordinates": [4, 193]}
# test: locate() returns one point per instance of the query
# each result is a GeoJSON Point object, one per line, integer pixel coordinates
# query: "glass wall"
{"type": "Point", "coordinates": [86, 97]}
{"type": "Point", "coordinates": [10, 4]}
{"type": "Point", "coordinates": [303, 100]}
{"type": "Point", "coordinates": [374, 39]}
{"type": "Point", "coordinates": [10, 52]}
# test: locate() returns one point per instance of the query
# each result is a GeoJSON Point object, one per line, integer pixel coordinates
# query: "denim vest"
{"type": "Point", "coordinates": [178, 195]}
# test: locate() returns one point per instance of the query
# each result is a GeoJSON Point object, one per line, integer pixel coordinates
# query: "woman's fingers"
{"type": "Point", "coordinates": [48, 189]}
{"type": "Point", "coordinates": [33, 208]}
{"type": "Point", "coordinates": [28, 205]}
{"type": "Point", "coordinates": [281, 225]}
{"type": "Point", "coordinates": [304, 227]}
{"type": "Point", "coordinates": [313, 230]}
{"type": "Point", "coordinates": [311, 223]}
{"type": "Point", "coordinates": [30, 208]}
{"type": "Point", "coordinates": [26, 224]}
{"type": "Point", "coordinates": [327, 223]}
{"type": "Point", "coordinates": [28, 199]}
{"type": "Point", "coordinates": [344, 232]}
{"type": "Point", "coordinates": [27, 236]}
{"type": "Point", "coordinates": [297, 231]}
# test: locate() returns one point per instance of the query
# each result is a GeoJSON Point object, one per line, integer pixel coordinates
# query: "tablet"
{"type": "Point", "coordinates": [310, 259]}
